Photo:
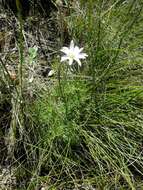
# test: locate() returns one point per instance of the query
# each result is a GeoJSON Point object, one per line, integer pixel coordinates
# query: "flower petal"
{"type": "Point", "coordinates": [64, 58]}
{"type": "Point", "coordinates": [70, 61]}
{"type": "Point", "coordinates": [71, 46]}
{"type": "Point", "coordinates": [65, 50]}
{"type": "Point", "coordinates": [82, 55]}
{"type": "Point", "coordinates": [78, 61]}
{"type": "Point", "coordinates": [80, 50]}
{"type": "Point", "coordinates": [76, 50]}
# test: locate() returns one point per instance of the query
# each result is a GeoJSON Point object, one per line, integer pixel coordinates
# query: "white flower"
{"type": "Point", "coordinates": [73, 53]}
{"type": "Point", "coordinates": [51, 73]}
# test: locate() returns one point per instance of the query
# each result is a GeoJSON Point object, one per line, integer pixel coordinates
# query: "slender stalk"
{"type": "Point", "coordinates": [61, 88]}
{"type": "Point", "coordinates": [21, 52]}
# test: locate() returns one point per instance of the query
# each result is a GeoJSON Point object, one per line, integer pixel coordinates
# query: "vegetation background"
{"type": "Point", "coordinates": [79, 129]}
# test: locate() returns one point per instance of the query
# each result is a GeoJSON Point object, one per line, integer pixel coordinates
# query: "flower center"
{"type": "Point", "coordinates": [71, 55]}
